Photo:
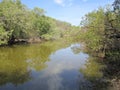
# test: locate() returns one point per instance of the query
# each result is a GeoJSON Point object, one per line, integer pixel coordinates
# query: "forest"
{"type": "Point", "coordinates": [19, 23]}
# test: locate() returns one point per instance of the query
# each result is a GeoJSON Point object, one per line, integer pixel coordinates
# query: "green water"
{"type": "Point", "coordinates": [47, 66]}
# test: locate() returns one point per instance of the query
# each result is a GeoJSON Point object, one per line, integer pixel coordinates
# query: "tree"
{"type": "Point", "coordinates": [3, 36]}
{"type": "Point", "coordinates": [14, 17]}
{"type": "Point", "coordinates": [116, 6]}
{"type": "Point", "coordinates": [94, 35]}
{"type": "Point", "coordinates": [18, 22]}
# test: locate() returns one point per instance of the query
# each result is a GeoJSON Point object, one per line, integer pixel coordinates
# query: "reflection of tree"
{"type": "Point", "coordinates": [13, 68]}
{"type": "Point", "coordinates": [15, 77]}
{"type": "Point", "coordinates": [104, 73]}
{"type": "Point", "coordinates": [16, 62]}
{"type": "Point", "coordinates": [37, 55]}
{"type": "Point", "coordinates": [112, 70]}
{"type": "Point", "coordinates": [93, 74]}
{"type": "Point", "coordinates": [76, 49]}
{"type": "Point", "coordinates": [112, 62]}
{"type": "Point", "coordinates": [92, 69]}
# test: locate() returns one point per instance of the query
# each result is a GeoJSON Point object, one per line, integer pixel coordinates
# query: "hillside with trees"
{"type": "Point", "coordinates": [19, 23]}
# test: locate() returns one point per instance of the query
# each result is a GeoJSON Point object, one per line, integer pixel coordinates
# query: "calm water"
{"type": "Point", "coordinates": [47, 66]}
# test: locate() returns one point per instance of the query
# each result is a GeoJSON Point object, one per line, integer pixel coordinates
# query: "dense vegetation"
{"type": "Point", "coordinates": [18, 23]}
{"type": "Point", "coordinates": [102, 30]}
{"type": "Point", "coordinates": [102, 38]}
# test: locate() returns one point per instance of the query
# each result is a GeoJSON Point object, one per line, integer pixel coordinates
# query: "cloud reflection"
{"type": "Point", "coordinates": [62, 72]}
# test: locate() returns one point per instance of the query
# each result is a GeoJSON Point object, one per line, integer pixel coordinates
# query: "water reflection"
{"type": "Point", "coordinates": [112, 70]}
{"type": "Point", "coordinates": [92, 69]}
{"type": "Point", "coordinates": [62, 72]}
{"type": "Point", "coordinates": [16, 62]}
{"type": "Point", "coordinates": [48, 66]}
{"type": "Point", "coordinates": [55, 66]}
{"type": "Point", "coordinates": [103, 73]}
{"type": "Point", "coordinates": [77, 48]}
{"type": "Point", "coordinates": [93, 74]}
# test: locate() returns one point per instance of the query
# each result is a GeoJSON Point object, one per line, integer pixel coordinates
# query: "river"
{"type": "Point", "coordinates": [46, 66]}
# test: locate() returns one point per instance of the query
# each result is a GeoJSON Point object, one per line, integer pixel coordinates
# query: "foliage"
{"type": "Point", "coordinates": [3, 35]}
{"type": "Point", "coordinates": [102, 38]}
{"type": "Point", "coordinates": [14, 18]}
{"type": "Point", "coordinates": [116, 6]}
{"type": "Point", "coordinates": [101, 30]}
{"type": "Point", "coordinates": [18, 22]}
{"type": "Point", "coordinates": [94, 25]}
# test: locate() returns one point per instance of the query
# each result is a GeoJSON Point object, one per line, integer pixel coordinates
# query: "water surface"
{"type": "Point", "coordinates": [46, 66]}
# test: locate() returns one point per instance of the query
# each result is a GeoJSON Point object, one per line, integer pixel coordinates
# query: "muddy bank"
{"type": "Point", "coordinates": [28, 41]}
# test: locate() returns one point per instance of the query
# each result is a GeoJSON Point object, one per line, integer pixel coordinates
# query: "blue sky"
{"type": "Point", "coordinates": [67, 10]}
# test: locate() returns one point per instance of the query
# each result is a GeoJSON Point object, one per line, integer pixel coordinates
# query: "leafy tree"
{"type": "Point", "coordinates": [116, 6]}
{"type": "Point", "coordinates": [42, 25]}
{"type": "Point", "coordinates": [18, 22]}
{"type": "Point", "coordinates": [3, 36]}
{"type": "Point", "coordinates": [94, 34]}
{"type": "Point", "coordinates": [102, 37]}
{"type": "Point", "coordinates": [14, 17]}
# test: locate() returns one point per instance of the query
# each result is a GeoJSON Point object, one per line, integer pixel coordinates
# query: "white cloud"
{"type": "Point", "coordinates": [60, 2]}
{"type": "Point", "coordinates": [64, 2]}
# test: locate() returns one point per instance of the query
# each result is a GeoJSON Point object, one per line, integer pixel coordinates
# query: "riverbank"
{"type": "Point", "coordinates": [25, 41]}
